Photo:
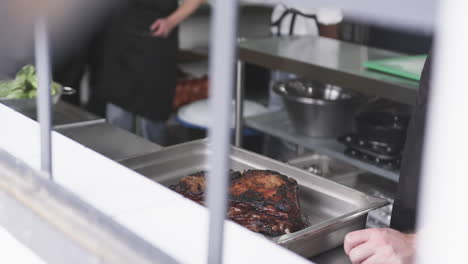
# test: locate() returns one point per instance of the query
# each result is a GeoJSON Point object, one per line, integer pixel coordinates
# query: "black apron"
{"type": "Point", "coordinates": [405, 206]}
{"type": "Point", "coordinates": [139, 71]}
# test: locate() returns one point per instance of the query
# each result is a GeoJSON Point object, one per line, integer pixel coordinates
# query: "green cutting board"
{"type": "Point", "coordinates": [408, 67]}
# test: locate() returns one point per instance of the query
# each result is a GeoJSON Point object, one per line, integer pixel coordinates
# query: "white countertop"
{"type": "Point", "coordinates": [15, 252]}
{"type": "Point", "coordinates": [169, 221]}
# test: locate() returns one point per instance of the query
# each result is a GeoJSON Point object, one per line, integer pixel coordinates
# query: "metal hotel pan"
{"type": "Point", "coordinates": [30, 104]}
{"type": "Point", "coordinates": [333, 210]}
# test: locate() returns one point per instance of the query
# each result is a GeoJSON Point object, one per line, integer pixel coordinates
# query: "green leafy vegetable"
{"type": "Point", "coordinates": [24, 86]}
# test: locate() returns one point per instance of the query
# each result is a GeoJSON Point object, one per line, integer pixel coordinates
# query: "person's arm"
{"type": "Point", "coordinates": [380, 245]}
{"type": "Point", "coordinates": [162, 27]}
{"type": "Point", "coordinates": [329, 20]}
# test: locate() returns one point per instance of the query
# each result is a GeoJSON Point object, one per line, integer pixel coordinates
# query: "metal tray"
{"type": "Point", "coordinates": [30, 104]}
{"type": "Point", "coordinates": [332, 209]}
{"type": "Point", "coordinates": [347, 175]}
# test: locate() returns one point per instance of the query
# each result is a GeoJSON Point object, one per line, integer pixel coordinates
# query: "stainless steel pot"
{"type": "Point", "coordinates": [28, 105]}
{"type": "Point", "coordinates": [318, 110]}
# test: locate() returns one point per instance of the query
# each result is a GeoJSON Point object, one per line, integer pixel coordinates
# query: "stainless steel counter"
{"type": "Point", "coordinates": [64, 113]}
{"type": "Point", "coordinates": [110, 141]}
{"type": "Point", "coordinates": [93, 132]}
{"type": "Point", "coordinates": [330, 61]}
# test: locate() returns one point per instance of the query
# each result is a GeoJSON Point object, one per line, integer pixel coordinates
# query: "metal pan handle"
{"type": "Point", "coordinates": [68, 91]}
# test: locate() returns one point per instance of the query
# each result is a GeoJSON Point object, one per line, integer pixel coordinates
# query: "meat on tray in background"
{"type": "Point", "coordinates": [263, 201]}
{"type": "Point", "coordinates": [190, 90]}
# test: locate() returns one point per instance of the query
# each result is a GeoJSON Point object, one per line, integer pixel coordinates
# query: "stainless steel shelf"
{"type": "Point", "coordinates": [329, 61]}
{"type": "Point", "coordinates": [278, 124]}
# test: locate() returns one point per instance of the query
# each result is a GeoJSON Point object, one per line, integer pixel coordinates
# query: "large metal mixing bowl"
{"type": "Point", "coordinates": [318, 110]}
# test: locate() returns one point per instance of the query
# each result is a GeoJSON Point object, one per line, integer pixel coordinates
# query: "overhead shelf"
{"type": "Point", "coordinates": [330, 61]}
{"type": "Point", "coordinates": [278, 124]}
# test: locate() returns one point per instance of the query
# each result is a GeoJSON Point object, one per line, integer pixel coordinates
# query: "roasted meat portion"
{"type": "Point", "coordinates": [266, 202]}
{"type": "Point", "coordinates": [261, 200]}
{"type": "Point", "coordinates": [192, 187]}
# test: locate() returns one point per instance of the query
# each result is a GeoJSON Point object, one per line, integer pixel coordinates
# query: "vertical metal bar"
{"type": "Point", "coordinates": [42, 56]}
{"type": "Point", "coordinates": [239, 122]}
{"type": "Point", "coordinates": [222, 61]}
{"type": "Point", "coordinates": [300, 150]}
{"type": "Point", "coordinates": [443, 215]}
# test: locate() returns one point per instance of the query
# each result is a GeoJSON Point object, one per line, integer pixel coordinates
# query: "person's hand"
{"type": "Point", "coordinates": [162, 27]}
{"type": "Point", "coordinates": [375, 246]}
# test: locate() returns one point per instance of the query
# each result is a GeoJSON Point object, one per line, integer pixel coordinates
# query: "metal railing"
{"type": "Point", "coordinates": [222, 72]}
{"type": "Point", "coordinates": [44, 98]}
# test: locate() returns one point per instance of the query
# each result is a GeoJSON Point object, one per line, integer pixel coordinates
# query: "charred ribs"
{"type": "Point", "coordinates": [261, 200]}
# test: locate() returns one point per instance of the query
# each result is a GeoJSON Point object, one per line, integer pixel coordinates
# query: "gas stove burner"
{"type": "Point", "coordinates": [382, 154]}
{"type": "Point", "coordinates": [390, 163]}
{"type": "Point", "coordinates": [372, 147]}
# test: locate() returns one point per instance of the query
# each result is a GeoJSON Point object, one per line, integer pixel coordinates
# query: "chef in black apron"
{"type": "Point", "coordinates": [397, 245]}
{"type": "Point", "coordinates": [139, 70]}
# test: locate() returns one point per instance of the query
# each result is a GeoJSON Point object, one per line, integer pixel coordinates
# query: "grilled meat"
{"type": "Point", "coordinates": [192, 187]}
{"type": "Point", "coordinates": [269, 201]}
{"type": "Point", "coordinates": [260, 200]}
